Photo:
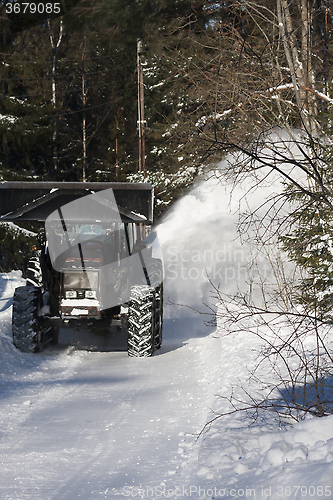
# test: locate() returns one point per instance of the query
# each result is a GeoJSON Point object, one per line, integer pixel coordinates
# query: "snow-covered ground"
{"type": "Point", "coordinates": [88, 425]}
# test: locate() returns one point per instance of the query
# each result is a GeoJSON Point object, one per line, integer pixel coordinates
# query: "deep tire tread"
{"type": "Point", "coordinates": [25, 320]}
{"type": "Point", "coordinates": [155, 272]}
{"type": "Point", "coordinates": [158, 327]}
{"type": "Point", "coordinates": [34, 272]}
{"type": "Point", "coordinates": [141, 321]}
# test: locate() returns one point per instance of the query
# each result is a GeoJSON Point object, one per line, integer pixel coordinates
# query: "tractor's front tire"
{"type": "Point", "coordinates": [155, 272]}
{"type": "Point", "coordinates": [26, 328]}
{"type": "Point", "coordinates": [141, 322]}
{"type": "Point", "coordinates": [158, 317]}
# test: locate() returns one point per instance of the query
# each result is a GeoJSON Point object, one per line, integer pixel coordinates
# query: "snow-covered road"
{"type": "Point", "coordinates": [95, 424]}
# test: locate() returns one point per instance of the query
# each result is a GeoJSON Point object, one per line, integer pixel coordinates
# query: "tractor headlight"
{"type": "Point", "coordinates": [80, 284]}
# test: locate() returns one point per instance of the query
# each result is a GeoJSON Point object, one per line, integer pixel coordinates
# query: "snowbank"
{"type": "Point", "coordinates": [295, 463]}
{"type": "Point", "coordinates": [8, 283]}
{"type": "Point", "coordinates": [239, 458]}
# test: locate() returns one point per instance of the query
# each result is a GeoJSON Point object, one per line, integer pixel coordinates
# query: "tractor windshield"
{"type": "Point", "coordinates": [89, 235]}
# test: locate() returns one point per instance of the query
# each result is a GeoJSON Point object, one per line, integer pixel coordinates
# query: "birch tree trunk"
{"type": "Point", "coordinates": [55, 44]}
{"type": "Point", "coordinates": [299, 59]}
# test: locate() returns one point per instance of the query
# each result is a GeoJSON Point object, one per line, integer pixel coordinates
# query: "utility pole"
{"type": "Point", "coordinates": [141, 118]}
{"type": "Point", "coordinates": [84, 100]}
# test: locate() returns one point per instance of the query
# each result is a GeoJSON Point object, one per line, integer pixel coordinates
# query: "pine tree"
{"type": "Point", "coordinates": [15, 246]}
{"type": "Point", "coordinates": [309, 242]}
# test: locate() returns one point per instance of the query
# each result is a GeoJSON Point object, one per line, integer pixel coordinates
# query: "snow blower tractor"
{"type": "Point", "coordinates": [97, 264]}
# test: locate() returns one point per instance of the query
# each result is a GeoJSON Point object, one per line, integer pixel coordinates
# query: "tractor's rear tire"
{"type": "Point", "coordinates": [26, 328]}
{"type": "Point", "coordinates": [141, 322]}
{"type": "Point", "coordinates": [34, 272]}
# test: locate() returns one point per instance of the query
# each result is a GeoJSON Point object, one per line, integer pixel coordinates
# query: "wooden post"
{"type": "Point", "coordinates": [141, 119]}
{"type": "Point", "coordinates": [84, 100]}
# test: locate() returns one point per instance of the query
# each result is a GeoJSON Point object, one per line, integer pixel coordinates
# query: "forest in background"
{"type": "Point", "coordinates": [82, 67]}
{"type": "Point", "coordinates": [218, 76]}
{"type": "Point", "coordinates": [211, 70]}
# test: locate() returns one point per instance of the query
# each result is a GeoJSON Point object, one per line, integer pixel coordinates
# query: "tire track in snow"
{"type": "Point", "coordinates": [111, 422]}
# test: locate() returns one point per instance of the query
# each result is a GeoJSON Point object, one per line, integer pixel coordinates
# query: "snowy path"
{"type": "Point", "coordinates": [93, 425]}
{"type": "Point", "coordinates": [99, 425]}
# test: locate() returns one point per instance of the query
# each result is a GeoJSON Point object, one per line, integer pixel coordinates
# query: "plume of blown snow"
{"type": "Point", "coordinates": [200, 238]}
